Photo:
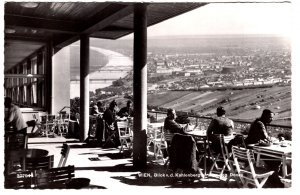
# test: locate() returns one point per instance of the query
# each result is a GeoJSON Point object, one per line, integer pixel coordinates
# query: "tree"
{"type": "Point", "coordinates": [118, 83]}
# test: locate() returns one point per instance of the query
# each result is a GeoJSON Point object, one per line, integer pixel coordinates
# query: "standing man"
{"type": "Point", "coordinates": [13, 116]}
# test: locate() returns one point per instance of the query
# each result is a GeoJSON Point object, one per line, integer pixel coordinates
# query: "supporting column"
{"type": "Point", "coordinates": [84, 86]}
{"type": "Point", "coordinates": [49, 78]}
{"type": "Point", "coordinates": [140, 86]}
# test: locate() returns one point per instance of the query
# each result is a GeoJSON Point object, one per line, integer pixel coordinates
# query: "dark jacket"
{"type": "Point", "coordinates": [172, 126]}
{"type": "Point", "coordinates": [258, 131]}
{"type": "Point", "coordinates": [125, 112]}
{"type": "Point", "coordinates": [109, 116]}
{"type": "Point", "coordinates": [183, 153]}
{"type": "Point", "coordinates": [220, 125]}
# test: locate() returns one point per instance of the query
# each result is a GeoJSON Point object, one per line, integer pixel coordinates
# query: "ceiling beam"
{"type": "Point", "coordinates": [11, 37]}
{"type": "Point", "coordinates": [117, 28]}
{"type": "Point", "coordinates": [50, 25]}
{"type": "Point", "coordinates": [63, 40]}
{"type": "Point", "coordinates": [107, 17]}
{"type": "Point", "coordinates": [101, 20]}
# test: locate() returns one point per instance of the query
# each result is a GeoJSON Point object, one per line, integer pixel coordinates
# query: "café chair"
{"type": "Point", "coordinates": [48, 125]}
{"type": "Point", "coordinates": [244, 162]}
{"type": "Point", "coordinates": [15, 142]}
{"type": "Point", "coordinates": [63, 124]}
{"type": "Point", "coordinates": [168, 137]}
{"type": "Point", "coordinates": [111, 134]}
{"type": "Point", "coordinates": [184, 159]}
{"type": "Point", "coordinates": [202, 146]}
{"type": "Point", "coordinates": [53, 178]}
{"type": "Point", "coordinates": [219, 154]}
{"type": "Point", "coordinates": [92, 129]}
{"type": "Point", "coordinates": [19, 180]}
{"type": "Point", "coordinates": [43, 162]}
{"type": "Point", "coordinates": [159, 143]}
{"type": "Point", "coordinates": [125, 135]}
{"type": "Point", "coordinates": [64, 155]}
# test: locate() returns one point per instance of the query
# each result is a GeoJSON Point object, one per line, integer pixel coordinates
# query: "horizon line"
{"type": "Point", "coordinates": [213, 35]}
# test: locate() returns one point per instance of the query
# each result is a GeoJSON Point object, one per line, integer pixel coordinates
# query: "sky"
{"type": "Point", "coordinates": [229, 18]}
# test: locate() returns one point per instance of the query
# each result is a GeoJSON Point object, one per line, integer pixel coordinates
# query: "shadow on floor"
{"type": "Point", "coordinates": [95, 187]}
{"type": "Point", "coordinates": [127, 167]}
{"type": "Point", "coordinates": [162, 179]}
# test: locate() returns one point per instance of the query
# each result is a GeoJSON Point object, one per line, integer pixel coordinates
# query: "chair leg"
{"type": "Point", "coordinates": [214, 164]}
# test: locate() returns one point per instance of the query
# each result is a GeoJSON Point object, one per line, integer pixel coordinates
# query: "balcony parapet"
{"type": "Point", "coordinates": [241, 126]}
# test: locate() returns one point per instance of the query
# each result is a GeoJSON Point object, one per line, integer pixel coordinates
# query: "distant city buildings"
{"type": "Point", "coordinates": [197, 71]}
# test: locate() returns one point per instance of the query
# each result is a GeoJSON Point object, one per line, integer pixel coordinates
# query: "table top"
{"type": "Point", "coordinates": [28, 153]}
{"type": "Point", "coordinates": [197, 133]}
{"type": "Point", "coordinates": [156, 125]}
{"type": "Point", "coordinates": [277, 149]}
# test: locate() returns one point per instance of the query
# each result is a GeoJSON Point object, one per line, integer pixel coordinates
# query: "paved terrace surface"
{"type": "Point", "coordinates": [109, 169]}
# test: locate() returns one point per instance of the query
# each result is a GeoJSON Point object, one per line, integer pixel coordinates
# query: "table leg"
{"type": "Point", "coordinates": [205, 155]}
{"type": "Point", "coordinates": [258, 159]}
{"type": "Point", "coordinates": [284, 169]}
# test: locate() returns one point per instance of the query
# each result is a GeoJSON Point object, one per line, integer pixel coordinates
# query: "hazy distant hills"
{"type": "Point", "coordinates": [227, 44]}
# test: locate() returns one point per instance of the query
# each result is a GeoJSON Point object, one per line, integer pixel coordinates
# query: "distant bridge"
{"type": "Point", "coordinates": [96, 81]}
{"type": "Point", "coordinates": [115, 68]}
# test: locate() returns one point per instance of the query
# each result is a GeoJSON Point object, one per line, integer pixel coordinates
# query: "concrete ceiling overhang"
{"type": "Point", "coordinates": [29, 29]}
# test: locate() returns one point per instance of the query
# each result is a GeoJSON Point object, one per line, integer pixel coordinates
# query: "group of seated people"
{"type": "Point", "coordinates": [107, 119]}
{"type": "Point", "coordinates": [223, 125]}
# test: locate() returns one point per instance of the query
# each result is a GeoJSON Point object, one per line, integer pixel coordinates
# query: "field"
{"type": "Point", "coordinates": [246, 104]}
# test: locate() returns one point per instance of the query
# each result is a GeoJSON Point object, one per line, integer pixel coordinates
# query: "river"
{"type": "Point", "coordinates": [117, 67]}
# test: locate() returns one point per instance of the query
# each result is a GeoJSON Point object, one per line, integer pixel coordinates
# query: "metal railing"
{"type": "Point", "coordinates": [240, 126]}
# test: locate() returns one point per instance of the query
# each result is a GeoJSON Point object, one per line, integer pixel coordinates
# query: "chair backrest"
{"type": "Point", "coordinates": [43, 178]}
{"type": "Point", "coordinates": [65, 116]}
{"type": "Point", "coordinates": [216, 144]}
{"type": "Point", "coordinates": [224, 149]}
{"type": "Point", "coordinates": [44, 162]}
{"type": "Point", "coordinates": [44, 119]}
{"type": "Point", "coordinates": [168, 136]}
{"type": "Point", "coordinates": [183, 153]}
{"type": "Point", "coordinates": [123, 128]}
{"type": "Point", "coordinates": [64, 155]}
{"type": "Point", "coordinates": [19, 180]}
{"type": "Point", "coordinates": [244, 161]}
{"type": "Point", "coordinates": [54, 177]}
{"type": "Point", "coordinates": [240, 141]}
{"type": "Point", "coordinates": [16, 141]}
{"type": "Point", "coordinates": [51, 118]}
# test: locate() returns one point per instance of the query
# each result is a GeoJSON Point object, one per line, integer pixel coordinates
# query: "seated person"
{"type": "Point", "coordinates": [258, 129]}
{"type": "Point", "coordinates": [13, 117]}
{"type": "Point", "coordinates": [219, 125]}
{"type": "Point", "coordinates": [257, 132]}
{"type": "Point", "coordinates": [95, 111]}
{"type": "Point", "coordinates": [171, 125]}
{"type": "Point", "coordinates": [101, 107]}
{"type": "Point", "coordinates": [126, 111]}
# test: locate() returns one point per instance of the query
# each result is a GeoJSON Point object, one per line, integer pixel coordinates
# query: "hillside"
{"type": "Point", "coordinates": [240, 104]}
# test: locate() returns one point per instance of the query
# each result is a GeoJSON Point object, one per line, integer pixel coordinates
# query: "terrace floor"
{"type": "Point", "coordinates": [109, 169]}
